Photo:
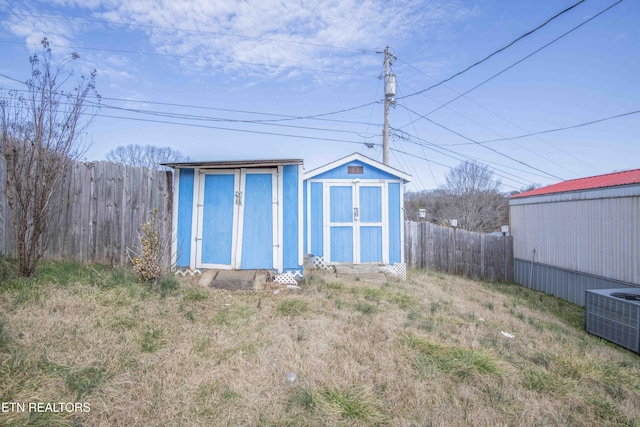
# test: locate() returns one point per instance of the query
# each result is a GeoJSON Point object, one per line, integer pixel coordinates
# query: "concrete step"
{"type": "Point", "coordinates": [232, 279]}
{"type": "Point", "coordinates": [364, 272]}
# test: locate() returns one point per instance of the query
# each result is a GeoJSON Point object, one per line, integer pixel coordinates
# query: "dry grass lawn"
{"type": "Point", "coordinates": [425, 352]}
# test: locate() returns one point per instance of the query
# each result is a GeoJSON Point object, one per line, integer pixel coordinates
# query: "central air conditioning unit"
{"type": "Point", "coordinates": [614, 314]}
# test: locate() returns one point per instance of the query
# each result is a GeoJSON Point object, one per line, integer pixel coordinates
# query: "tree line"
{"type": "Point", "coordinates": [470, 194]}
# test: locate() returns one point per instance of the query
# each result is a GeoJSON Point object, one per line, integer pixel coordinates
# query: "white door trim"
{"type": "Point", "coordinates": [199, 213]}
{"type": "Point", "coordinates": [356, 224]}
{"type": "Point", "coordinates": [237, 259]}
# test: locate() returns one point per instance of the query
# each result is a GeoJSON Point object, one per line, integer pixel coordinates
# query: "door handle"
{"type": "Point", "coordinates": [356, 214]}
{"type": "Point", "coordinates": [238, 197]}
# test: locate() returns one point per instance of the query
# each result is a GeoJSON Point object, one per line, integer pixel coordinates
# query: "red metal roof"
{"type": "Point", "coordinates": [600, 181]}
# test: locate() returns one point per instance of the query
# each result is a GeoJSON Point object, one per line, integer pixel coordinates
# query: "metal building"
{"type": "Point", "coordinates": [353, 212]}
{"type": "Point", "coordinates": [238, 215]}
{"type": "Point", "coordinates": [577, 235]}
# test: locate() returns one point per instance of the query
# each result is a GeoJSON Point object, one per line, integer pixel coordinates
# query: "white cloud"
{"type": "Point", "coordinates": [229, 35]}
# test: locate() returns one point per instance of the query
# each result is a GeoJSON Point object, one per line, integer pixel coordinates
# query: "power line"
{"type": "Point", "coordinates": [501, 117]}
{"type": "Point", "coordinates": [423, 143]}
{"type": "Point", "coordinates": [193, 117]}
{"type": "Point", "coordinates": [446, 166]}
{"type": "Point", "coordinates": [517, 62]}
{"type": "Point", "coordinates": [422, 149]}
{"type": "Point", "coordinates": [528, 33]}
{"type": "Point", "coordinates": [485, 146]}
{"type": "Point", "coordinates": [217, 119]}
{"type": "Point", "coordinates": [213, 119]}
{"type": "Point", "coordinates": [230, 129]}
{"type": "Point", "coordinates": [617, 116]}
{"type": "Point", "coordinates": [485, 127]}
{"type": "Point", "coordinates": [282, 117]}
{"type": "Point", "coordinates": [409, 166]}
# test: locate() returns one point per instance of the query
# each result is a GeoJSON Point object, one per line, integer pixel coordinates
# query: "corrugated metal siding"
{"type": "Point", "coordinates": [185, 212]}
{"type": "Point", "coordinates": [290, 217]}
{"type": "Point", "coordinates": [565, 284]}
{"type": "Point", "coordinates": [599, 237]}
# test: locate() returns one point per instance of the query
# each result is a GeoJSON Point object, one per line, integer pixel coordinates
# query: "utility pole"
{"type": "Point", "coordinates": [389, 100]}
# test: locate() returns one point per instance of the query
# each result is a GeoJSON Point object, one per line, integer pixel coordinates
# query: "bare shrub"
{"type": "Point", "coordinates": [149, 260]}
{"type": "Point", "coordinates": [42, 130]}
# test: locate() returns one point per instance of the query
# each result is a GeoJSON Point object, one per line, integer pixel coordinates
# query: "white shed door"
{"type": "Point", "coordinates": [355, 223]}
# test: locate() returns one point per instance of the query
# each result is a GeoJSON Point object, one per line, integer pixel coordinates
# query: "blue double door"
{"type": "Point", "coordinates": [237, 212]}
{"type": "Point", "coordinates": [354, 227]}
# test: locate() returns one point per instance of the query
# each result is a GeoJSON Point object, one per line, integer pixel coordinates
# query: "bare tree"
{"type": "Point", "coordinates": [42, 130]}
{"type": "Point", "coordinates": [434, 202]}
{"type": "Point", "coordinates": [474, 197]}
{"type": "Point", "coordinates": [148, 156]}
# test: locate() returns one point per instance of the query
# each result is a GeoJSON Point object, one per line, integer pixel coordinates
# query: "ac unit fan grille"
{"type": "Point", "coordinates": [613, 319]}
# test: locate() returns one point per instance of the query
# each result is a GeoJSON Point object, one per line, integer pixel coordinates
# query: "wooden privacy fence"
{"type": "Point", "coordinates": [98, 211]}
{"type": "Point", "coordinates": [478, 256]}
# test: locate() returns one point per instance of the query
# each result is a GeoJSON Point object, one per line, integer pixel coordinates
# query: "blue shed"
{"type": "Point", "coordinates": [238, 215]}
{"type": "Point", "coordinates": [353, 212]}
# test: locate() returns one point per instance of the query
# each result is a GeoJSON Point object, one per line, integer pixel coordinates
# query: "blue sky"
{"type": "Point", "coordinates": [224, 80]}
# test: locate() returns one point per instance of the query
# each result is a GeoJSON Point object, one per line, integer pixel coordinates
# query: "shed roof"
{"type": "Point", "coordinates": [600, 181]}
{"type": "Point", "coordinates": [228, 164]}
{"type": "Point", "coordinates": [364, 159]}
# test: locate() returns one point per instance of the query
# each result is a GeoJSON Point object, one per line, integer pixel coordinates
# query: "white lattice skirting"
{"type": "Point", "coordinates": [187, 272]}
{"type": "Point", "coordinates": [288, 278]}
{"type": "Point", "coordinates": [398, 269]}
{"type": "Point", "coordinates": [321, 264]}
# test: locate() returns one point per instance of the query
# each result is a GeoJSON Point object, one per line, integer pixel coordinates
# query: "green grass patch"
{"type": "Point", "coordinates": [335, 286]}
{"type": "Point", "coordinates": [233, 315]}
{"type": "Point", "coordinates": [571, 314]}
{"type": "Point", "coordinates": [63, 272]}
{"type": "Point", "coordinates": [293, 307]}
{"type": "Point", "coordinates": [84, 381]}
{"type": "Point", "coordinates": [5, 337]}
{"type": "Point", "coordinates": [24, 291]}
{"type": "Point", "coordinates": [365, 308]}
{"type": "Point", "coordinates": [370, 294]}
{"type": "Point", "coordinates": [353, 403]}
{"type": "Point", "coordinates": [202, 345]}
{"type": "Point", "coordinates": [402, 300]}
{"type": "Point", "coordinates": [151, 340]}
{"type": "Point", "coordinates": [304, 397]}
{"type": "Point", "coordinates": [378, 295]}
{"type": "Point", "coordinates": [195, 294]}
{"type": "Point", "coordinates": [167, 285]}
{"type": "Point", "coordinates": [117, 277]}
{"type": "Point", "coordinates": [542, 381]}
{"type": "Point", "coordinates": [124, 322]}
{"type": "Point", "coordinates": [457, 361]}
